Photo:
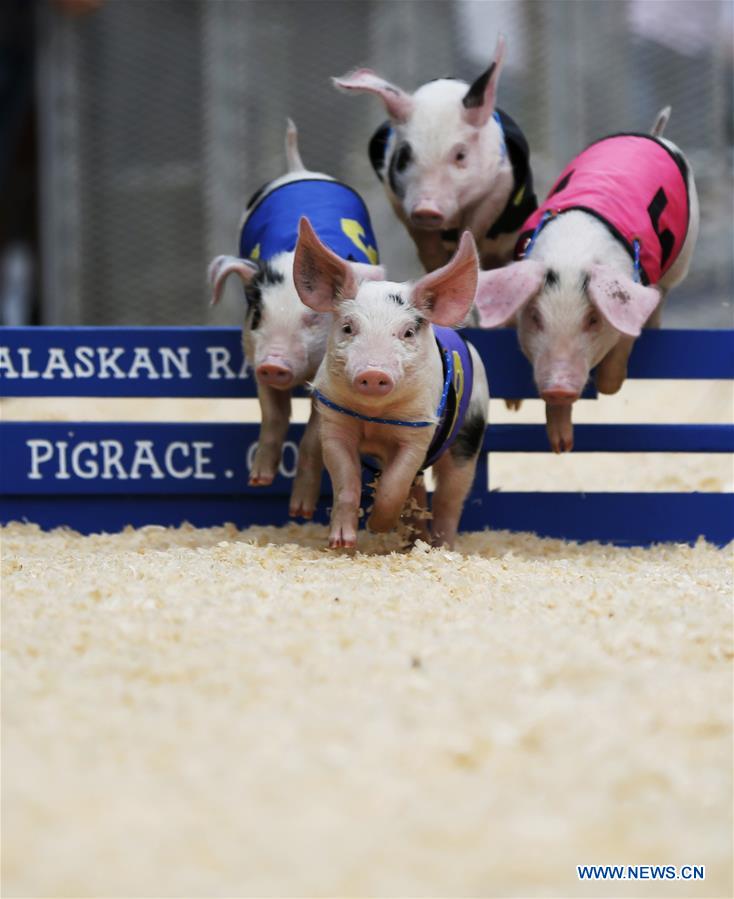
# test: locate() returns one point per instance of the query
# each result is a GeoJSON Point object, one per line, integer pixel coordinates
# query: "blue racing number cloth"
{"type": "Point", "coordinates": [455, 354]}
{"type": "Point", "coordinates": [336, 212]}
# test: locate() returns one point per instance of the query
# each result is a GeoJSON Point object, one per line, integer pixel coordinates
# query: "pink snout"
{"type": "Point", "coordinates": [559, 396]}
{"type": "Point", "coordinates": [427, 216]}
{"type": "Point", "coordinates": [275, 373]}
{"type": "Point", "coordinates": [373, 382]}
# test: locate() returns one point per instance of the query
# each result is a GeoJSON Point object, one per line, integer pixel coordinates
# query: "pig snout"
{"type": "Point", "coordinates": [560, 381]}
{"type": "Point", "coordinates": [427, 215]}
{"type": "Point", "coordinates": [275, 372]}
{"type": "Point", "coordinates": [559, 396]}
{"type": "Point", "coordinates": [373, 382]}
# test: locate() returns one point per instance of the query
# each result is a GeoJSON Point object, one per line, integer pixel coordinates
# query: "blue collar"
{"type": "Point", "coordinates": [448, 377]}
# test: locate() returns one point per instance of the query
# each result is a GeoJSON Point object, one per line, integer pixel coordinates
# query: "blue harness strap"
{"type": "Point", "coordinates": [370, 418]}
{"type": "Point", "coordinates": [336, 212]}
{"type": "Point", "coordinates": [458, 379]}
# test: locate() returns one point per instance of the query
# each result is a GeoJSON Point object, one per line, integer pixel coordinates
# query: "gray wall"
{"type": "Point", "coordinates": [159, 118]}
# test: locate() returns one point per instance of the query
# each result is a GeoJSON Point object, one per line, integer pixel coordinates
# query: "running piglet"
{"type": "Point", "coordinates": [616, 232]}
{"type": "Point", "coordinates": [284, 342]}
{"type": "Point", "coordinates": [450, 160]}
{"type": "Point", "coordinates": [397, 385]}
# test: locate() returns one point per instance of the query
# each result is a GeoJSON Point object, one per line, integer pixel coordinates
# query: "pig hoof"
{"type": "Point", "coordinates": [300, 511]}
{"type": "Point", "coordinates": [260, 480]}
{"type": "Point", "coordinates": [340, 541]}
{"type": "Point", "coordinates": [513, 405]}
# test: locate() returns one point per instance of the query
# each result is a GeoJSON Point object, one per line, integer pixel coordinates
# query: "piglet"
{"type": "Point", "coordinates": [616, 232]}
{"type": "Point", "coordinates": [397, 384]}
{"type": "Point", "coordinates": [449, 161]}
{"type": "Point", "coordinates": [283, 342]}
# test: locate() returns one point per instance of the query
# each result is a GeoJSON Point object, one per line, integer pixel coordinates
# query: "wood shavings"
{"type": "Point", "coordinates": [186, 708]}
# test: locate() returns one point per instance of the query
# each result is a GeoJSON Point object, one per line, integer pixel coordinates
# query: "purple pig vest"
{"type": "Point", "coordinates": [459, 375]}
{"type": "Point", "coordinates": [637, 186]}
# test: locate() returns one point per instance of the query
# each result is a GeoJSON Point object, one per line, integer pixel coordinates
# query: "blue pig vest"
{"type": "Point", "coordinates": [337, 213]}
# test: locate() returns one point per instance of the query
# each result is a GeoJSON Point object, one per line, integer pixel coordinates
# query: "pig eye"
{"type": "Point", "coordinates": [408, 333]}
{"type": "Point", "coordinates": [593, 320]}
{"type": "Point", "coordinates": [536, 319]}
{"type": "Point", "coordinates": [256, 318]}
{"type": "Point", "coordinates": [459, 155]}
{"type": "Point", "coordinates": [347, 328]}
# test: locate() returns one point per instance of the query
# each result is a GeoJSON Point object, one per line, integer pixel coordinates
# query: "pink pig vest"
{"type": "Point", "coordinates": [635, 185]}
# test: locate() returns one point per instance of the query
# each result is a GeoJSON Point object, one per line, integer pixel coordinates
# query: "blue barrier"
{"type": "Point", "coordinates": [97, 476]}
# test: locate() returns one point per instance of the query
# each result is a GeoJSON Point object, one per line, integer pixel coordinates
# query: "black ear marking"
{"type": "Point", "coordinates": [474, 97]}
{"type": "Point", "coordinates": [267, 275]}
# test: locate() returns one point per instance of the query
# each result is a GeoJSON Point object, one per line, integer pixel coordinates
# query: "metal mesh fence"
{"type": "Point", "coordinates": [159, 118]}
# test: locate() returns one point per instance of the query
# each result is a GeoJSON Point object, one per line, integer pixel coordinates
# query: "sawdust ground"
{"type": "Point", "coordinates": [220, 713]}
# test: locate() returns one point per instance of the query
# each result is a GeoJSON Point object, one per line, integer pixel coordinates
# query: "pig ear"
{"type": "Point", "coordinates": [502, 291]}
{"type": "Point", "coordinates": [398, 103]}
{"type": "Point", "coordinates": [481, 98]}
{"type": "Point", "coordinates": [625, 304]}
{"type": "Point", "coordinates": [321, 277]}
{"type": "Point", "coordinates": [445, 296]}
{"type": "Point", "coordinates": [222, 266]}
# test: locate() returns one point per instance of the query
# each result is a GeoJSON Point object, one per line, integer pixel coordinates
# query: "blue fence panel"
{"type": "Point", "coordinates": [104, 475]}
{"type": "Point", "coordinates": [208, 362]}
{"type": "Point", "coordinates": [625, 519]}
{"type": "Point", "coordinates": [182, 362]}
{"type": "Point", "coordinates": [212, 458]}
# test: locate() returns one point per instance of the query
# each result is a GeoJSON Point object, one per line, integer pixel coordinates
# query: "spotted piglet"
{"type": "Point", "coordinates": [450, 160]}
{"type": "Point", "coordinates": [283, 342]}
{"type": "Point", "coordinates": [616, 232]}
{"type": "Point", "coordinates": [397, 384]}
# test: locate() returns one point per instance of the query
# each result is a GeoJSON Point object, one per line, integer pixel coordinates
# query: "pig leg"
{"type": "Point", "coordinates": [454, 478]}
{"type": "Point", "coordinates": [431, 250]}
{"type": "Point", "coordinates": [307, 484]}
{"type": "Point", "coordinates": [394, 486]}
{"type": "Point", "coordinates": [415, 518]}
{"type": "Point", "coordinates": [656, 319]}
{"type": "Point", "coordinates": [275, 407]}
{"type": "Point", "coordinates": [455, 470]}
{"type": "Point", "coordinates": [341, 456]}
{"type": "Point", "coordinates": [559, 428]}
{"type": "Point", "coordinates": [612, 370]}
